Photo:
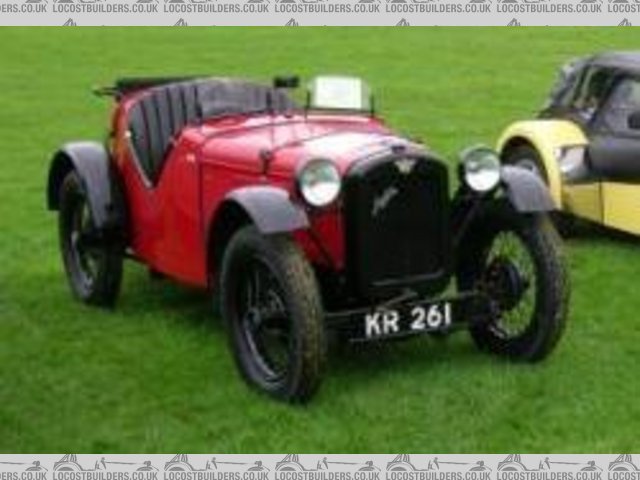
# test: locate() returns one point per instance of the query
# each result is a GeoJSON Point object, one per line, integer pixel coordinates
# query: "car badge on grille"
{"type": "Point", "coordinates": [405, 165]}
{"type": "Point", "coordinates": [382, 201]}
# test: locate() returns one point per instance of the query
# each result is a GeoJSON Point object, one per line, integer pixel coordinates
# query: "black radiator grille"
{"type": "Point", "coordinates": [397, 225]}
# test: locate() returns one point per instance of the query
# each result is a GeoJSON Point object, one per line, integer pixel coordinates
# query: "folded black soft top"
{"type": "Point", "coordinates": [125, 85]}
{"type": "Point", "coordinates": [128, 84]}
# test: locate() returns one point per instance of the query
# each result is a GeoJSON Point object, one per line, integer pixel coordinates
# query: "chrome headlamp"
{"type": "Point", "coordinates": [319, 182]}
{"type": "Point", "coordinates": [480, 169]}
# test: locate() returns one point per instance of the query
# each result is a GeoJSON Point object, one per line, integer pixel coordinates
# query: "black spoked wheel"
{"type": "Point", "coordinates": [93, 263]}
{"type": "Point", "coordinates": [265, 320]}
{"type": "Point", "coordinates": [509, 279]}
{"type": "Point", "coordinates": [271, 302]}
{"type": "Point", "coordinates": [516, 260]}
{"type": "Point", "coordinates": [527, 157]}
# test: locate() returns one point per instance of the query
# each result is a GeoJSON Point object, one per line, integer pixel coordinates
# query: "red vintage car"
{"type": "Point", "coordinates": [303, 217]}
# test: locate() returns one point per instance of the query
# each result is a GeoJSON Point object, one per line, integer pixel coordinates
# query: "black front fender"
{"type": "Point", "coordinates": [526, 191]}
{"type": "Point", "coordinates": [91, 162]}
{"type": "Point", "coordinates": [270, 209]}
{"type": "Point", "coordinates": [522, 189]}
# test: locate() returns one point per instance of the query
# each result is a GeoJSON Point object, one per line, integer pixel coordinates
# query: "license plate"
{"type": "Point", "coordinates": [407, 320]}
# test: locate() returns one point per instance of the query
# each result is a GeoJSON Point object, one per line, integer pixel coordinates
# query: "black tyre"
{"type": "Point", "coordinates": [527, 157]}
{"type": "Point", "coordinates": [92, 260]}
{"type": "Point", "coordinates": [517, 261]}
{"type": "Point", "coordinates": [271, 302]}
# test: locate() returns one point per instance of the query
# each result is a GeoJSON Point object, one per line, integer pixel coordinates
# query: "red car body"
{"type": "Point", "coordinates": [171, 223]}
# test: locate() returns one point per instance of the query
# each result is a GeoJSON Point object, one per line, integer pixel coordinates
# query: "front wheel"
{"type": "Point", "coordinates": [516, 261]}
{"type": "Point", "coordinates": [271, 302]}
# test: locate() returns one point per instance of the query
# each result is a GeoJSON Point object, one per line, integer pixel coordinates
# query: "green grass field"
{"type": "Point", "coordinates": [155, 375]}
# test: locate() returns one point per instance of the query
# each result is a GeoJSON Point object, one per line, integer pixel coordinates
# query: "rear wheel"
{"type": "Point", "coordinates": [516, 260]}
{"type": "Point", "coordinates": [527, 157]}
{"type": "Point", "coordinates": [271, 302]}
{"type": "Point", "coordinates": [92, 261]}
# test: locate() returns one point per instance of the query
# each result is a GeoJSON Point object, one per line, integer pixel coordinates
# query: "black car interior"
{"type": "Point", "coordinates": [602, 95]}
{"type": "Point", "coordinates": [163, 111]}
{"type": "Point", "coordinates": [614, 150]}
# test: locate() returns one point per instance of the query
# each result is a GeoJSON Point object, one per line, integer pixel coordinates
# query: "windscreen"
{"type": "Point", "coordinates": [339, 93]}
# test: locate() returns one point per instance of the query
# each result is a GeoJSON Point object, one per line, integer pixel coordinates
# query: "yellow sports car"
{"type": "Point", "coordinates": [585, 143]}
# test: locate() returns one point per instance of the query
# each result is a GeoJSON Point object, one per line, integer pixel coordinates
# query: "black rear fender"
{"type": "Point", "coordinates": [92, 163]}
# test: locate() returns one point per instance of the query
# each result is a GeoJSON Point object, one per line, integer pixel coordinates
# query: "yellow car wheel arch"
{"type": "Point", "coordinates": [547, 137]}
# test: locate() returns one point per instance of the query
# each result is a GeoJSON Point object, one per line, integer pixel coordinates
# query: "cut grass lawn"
{"type": "Point", "coordinates": [155, 375]}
